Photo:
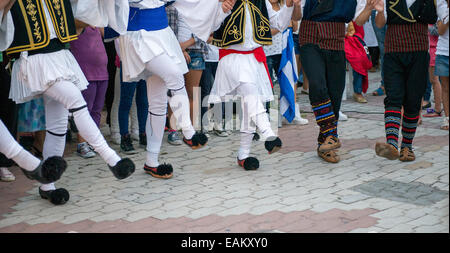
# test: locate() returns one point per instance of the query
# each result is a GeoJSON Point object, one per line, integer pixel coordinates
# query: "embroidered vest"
{"type": "Point", "coordinates": [342, 11]}
{"type": "Point", "coordinates": [232, 30]}
{"type": "Point", "coordinates": [421, 11]}
{"type": "Point", "coordinates": [31, 30]}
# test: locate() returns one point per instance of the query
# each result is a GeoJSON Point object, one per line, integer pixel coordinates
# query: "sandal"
{"type": "Point", "coordinates": [378, 92]}
{"type": "Point", "coordinates": [445, 124]}
{"type": "Point", "coordinates": [387, 151]}
{"type": "Point", "coordinates": [329, 156]}
{"type": "Point", "coordinates": [432, 113]}
{"type": "Point", "coordinates": [407, 155]}
{"type": "Point", "coordinates": [330, 143]}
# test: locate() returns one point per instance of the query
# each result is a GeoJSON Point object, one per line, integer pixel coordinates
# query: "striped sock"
{"type": "Point", "coordinates": [392, 119]}
{"type": "Point", "coordinates": [326, 120]}
{"type": "Point", "coordinates": [409, 127]}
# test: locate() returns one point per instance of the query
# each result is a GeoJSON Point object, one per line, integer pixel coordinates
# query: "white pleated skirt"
{"type": "Point", "coordinates": [33, 74]}
{"type": "Point", "coordinates": [235, 69]}
{"type": "Point", "coordinates": [139, 47]}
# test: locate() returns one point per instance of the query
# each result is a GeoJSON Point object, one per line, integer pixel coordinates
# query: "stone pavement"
{"type": "Point", "coordinates": [293, 191]}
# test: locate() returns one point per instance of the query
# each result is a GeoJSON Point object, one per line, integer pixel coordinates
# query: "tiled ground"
{"type": "Point", "coordinates": [293, 191]}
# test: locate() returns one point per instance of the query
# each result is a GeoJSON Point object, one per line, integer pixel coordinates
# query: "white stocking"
{"type": "Point", "coordinates": [12, 150]}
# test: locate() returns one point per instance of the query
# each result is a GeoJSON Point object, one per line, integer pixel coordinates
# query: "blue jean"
{"type": "Point", "coordinates": [380, 33]}
{"type": "Point", "coordinates": [357, 82]}
{"type": "Point", "coordinates": [127, 91]}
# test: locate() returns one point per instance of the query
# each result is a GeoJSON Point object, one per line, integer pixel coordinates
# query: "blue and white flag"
{"type": "Point", "coordinates": [288, 76]}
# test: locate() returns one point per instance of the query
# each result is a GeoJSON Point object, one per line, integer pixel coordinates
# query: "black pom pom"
{"type": "Point", "coordinates": [165, 169]}
{"type": "Point", "coordinates": [53, 168]}
{"type": "Point", "coordinates": [273, 144]}
{"type": "Point", "coordinates": [251, 163]}
{"type": "Point", "coordinates": [59, 196]}
{"type": "Point", "coordinates": [123, 169]}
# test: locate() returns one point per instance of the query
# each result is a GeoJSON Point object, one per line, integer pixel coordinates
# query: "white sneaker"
{"type": "Point", "coordinates": [300, 121]}
{"type": "Point", "coordinates": [6, 175]}
{"type": "Point", "coordinates": [342, 116]}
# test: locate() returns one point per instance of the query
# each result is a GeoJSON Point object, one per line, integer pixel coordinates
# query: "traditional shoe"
{"type": "Point", "coordinates": [407, 155]}
{"type": "Point", "coordinates": [56, 197]}
{"type": "Point", "coordinates": [256, 137]}
{"type": "Point", "coordinates": [329, 156]}
{"type": "Point", "coordinates": [123, 169]}
{"type": "Point", "coordinates": [359, 98]}
{"type": "Point", "coordinates": [164, 171]}
{"type": "Point", "coordinates": [199, 140]}
{"type": "Point", "coordinates": [331, 143]}
{"type": "Point", "coordinates": [48, 171]}
{"type": "Point", "coordinates": [273, 144]}
{"type": "Point", "coordinates": [250, 163]}
{"type": "Point", "coordinates": [387, 151]}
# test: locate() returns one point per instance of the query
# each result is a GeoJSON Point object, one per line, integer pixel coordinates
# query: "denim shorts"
{"type": "Point", "coordinates": [296, 44]}
{"type": "Point", "coordinates": [197, 60]}
{"type": "Point", "coordinates": [441, 68]}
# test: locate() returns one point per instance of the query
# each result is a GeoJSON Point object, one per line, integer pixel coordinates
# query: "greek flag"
{"type": "Point", "coordinates": [288, 76]}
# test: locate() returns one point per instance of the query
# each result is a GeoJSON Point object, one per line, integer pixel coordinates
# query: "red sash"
{"type": "Point", "coordinates": [259, 54]}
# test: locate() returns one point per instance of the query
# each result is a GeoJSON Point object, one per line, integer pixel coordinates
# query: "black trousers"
{"type": "Point", "coordinates": [109, 97]}
{"type": "Point", "coordinates": [325, 70]}
{"type": "Point", "coordinates": [8, 110]}
{"type": "Point", "coordinates": [405, 80]}
{"type": "Point", "coordinates": [375, 55]}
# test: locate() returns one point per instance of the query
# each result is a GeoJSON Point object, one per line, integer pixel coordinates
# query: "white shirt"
{"type": "Point", "coordinates": [442, 11]}
{"type": "Point", "coordinates": [369, 34]}
{"type": "Point", "coordinates": [147, 4]}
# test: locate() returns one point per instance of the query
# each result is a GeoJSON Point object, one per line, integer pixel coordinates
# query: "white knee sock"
{"type": "Point", "coordinates": [179, 103]}
{"type": "Point", "coordinates": [11, 149]}
{"type": "Point", "coordinates": [246, 144]}
{"type": "Point", "coordinates": [155, 133]}
{"type": "Point", "coordinates": [90, 132]}
{"type": "Point", "coordinates": [262, 122]}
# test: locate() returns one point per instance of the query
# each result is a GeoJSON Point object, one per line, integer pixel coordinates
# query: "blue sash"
{"type": "Point", "coordinates": [148, 19]}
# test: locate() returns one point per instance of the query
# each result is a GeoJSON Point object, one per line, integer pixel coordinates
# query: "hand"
{"type": "Point", "coordinates": [290, 3]}
{"type": "Point", "coordinates": [379, 5]}
{"type": "Point", "coordinates": [187, 57]}
{"type": "Point", "coordinates": [227, 5]}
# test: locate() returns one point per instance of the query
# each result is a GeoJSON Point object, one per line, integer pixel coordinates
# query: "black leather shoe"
{"type": "Point", "coordinates": [57, 197]}
{"type": "Point", "coordinates": [48, 171]}
{"type": "Point", "coordinates": [123, 169]}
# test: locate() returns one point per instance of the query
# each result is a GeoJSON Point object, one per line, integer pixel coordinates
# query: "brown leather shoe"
{"type": "Point", "coordinates": [329, 156]}
{"type": "Point", "coordinates": [387, 151]}
{"type": "Point", "coordinates": [407, 155]}
{"type": "Point", "coordinates": [331, 143]}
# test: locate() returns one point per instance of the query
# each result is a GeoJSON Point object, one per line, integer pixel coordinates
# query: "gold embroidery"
{"type": "Point", "coordinates": [57, 6]}
{"type": "Point", "coordinates": [31, 11]}
{"type": "Point", "coordinates": [235, 32]}
{"type": "Point", "coordinates": [262, 29]}
{"type": "Point", "coordinates": [40, 23]}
